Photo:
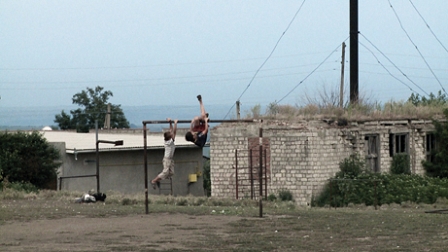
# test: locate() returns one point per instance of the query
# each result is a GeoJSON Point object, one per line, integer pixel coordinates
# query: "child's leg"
{"type": "Point", "coordinates": [201, 105]}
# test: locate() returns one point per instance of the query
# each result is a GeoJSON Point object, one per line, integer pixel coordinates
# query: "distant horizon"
{"type": "Point", "coordinates": [39, 117]}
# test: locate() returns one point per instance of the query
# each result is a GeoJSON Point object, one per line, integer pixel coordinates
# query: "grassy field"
{"type": "Point", "coordinates": [227, 225]}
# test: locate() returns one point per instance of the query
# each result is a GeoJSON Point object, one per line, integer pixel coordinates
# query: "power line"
{"type": "Point", "coordinates": [391, 62]}
{"type": "Point", "coordinates": [149, 66]}
{"type": "Point", "coordinates": [418, 50]}
{"type": "Point", "coordinates": [389, 71]}
{"type": "Point", "coordinates": [427, 25]}
{"type": "Point", "coordinates": [407, 67]}
{"type": "Point", "coordinates": [157, 79]}
{"type": "Point", "coordinates": [269, 56]}
{"type": "Point", "coordinates": [306, 77]}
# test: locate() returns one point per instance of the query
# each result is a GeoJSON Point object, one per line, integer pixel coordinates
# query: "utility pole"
{"type": "Point", "coordinates": [238, 109]}
{"type": "Point", "coordinates": [354, 70]}
{"type": "Point", "coordinates": [341, 91]}
{"type": "Point", "coordinates": [107, 119]}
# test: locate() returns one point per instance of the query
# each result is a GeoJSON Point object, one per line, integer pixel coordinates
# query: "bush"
{"type": "Point", "coordinates": [439, 165]}
{"type": "Point", "coordinates": [28, 158]}
{"type": "Point", "coordinates": [351, 167]}
{"type": "Point", "coordinates": [207, 183]}
{"type": "Point", "coordinates": [25, 187]}
{"type": "Point", "coordinates": [285, 195]}
{"type": "Point", "coordinates": [377, 189]}
{"type": "Point", "coordinates": [400, 164]}
{"type": "Point", "coordinates": [272, 197]}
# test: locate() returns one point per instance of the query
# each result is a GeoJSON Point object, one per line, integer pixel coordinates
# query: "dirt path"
{"type": "Point", "coordinates": [153, 232]}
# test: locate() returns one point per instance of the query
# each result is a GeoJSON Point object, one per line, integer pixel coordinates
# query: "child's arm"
{"type": "Point", "coordinates": [206, 127]}
{"type": "Point", "coordinates": [174, 129]}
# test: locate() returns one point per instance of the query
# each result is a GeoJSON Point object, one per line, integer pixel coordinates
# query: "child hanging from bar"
{"type": "Point", "coordinates": [198, 127]}
{"type": "Point", "coordinates": [168, 161]}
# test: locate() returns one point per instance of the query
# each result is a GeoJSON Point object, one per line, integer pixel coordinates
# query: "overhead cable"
{"type": "Point", "coordinates": [389, 71]}
{"type": "Point", "coordinates": [427, 25]}
{"type": "Point", "coordinates": [384, 55]}
{"type": "Point", "coordinates": [418, 50]}
{"type": "Point", "coordinates": [269, 56]}
{"type": "Point", "coordinates": [306, 77]}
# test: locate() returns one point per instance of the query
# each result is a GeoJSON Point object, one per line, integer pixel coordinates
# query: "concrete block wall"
{"type": "Point", "coordinates": [416, 131]}
{"type": "Point", "coordinates": [124, 171]}
{"type": "Point", "coordinates": [419, 153]}
{"type": "Point", "coordinates": [302, 159]}
{"type": "Point", "coordinates": [223, 143]}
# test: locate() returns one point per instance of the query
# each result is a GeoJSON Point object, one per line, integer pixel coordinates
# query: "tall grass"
{"type": "Point", "coordinates": [362, 111]}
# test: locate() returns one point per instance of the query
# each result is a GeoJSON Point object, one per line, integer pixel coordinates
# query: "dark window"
{"type": "Point", "coordinates": [398, 143]}
{"type": "Point", "coordinates": [372, 149]}
{"type": "Point", "coordinates": [430, 146]}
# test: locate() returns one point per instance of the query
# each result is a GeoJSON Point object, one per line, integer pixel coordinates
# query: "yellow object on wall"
{"type": "Point", "coordinates": [192, 178]}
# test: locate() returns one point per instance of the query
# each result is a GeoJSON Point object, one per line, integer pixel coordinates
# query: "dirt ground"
{"type": "Point", "coordinates": [152, 232]}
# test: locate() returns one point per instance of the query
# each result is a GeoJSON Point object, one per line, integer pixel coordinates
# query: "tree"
{"type": "Point", "coordinates": [64, 120]}
{"type": "Point", "coordinates": [432, 100]}
{"type": "Point", "coordinates": [27, 158]}
{"type": "Point", "coordinates": [207, 183]}
{"type": "Point", "coordinates": [439, 165]}
{"type": "Point", "coordinates": [93, 103]}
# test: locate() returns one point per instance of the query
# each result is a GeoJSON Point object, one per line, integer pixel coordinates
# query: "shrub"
{"type": "Point", "coordinates": [285, 195]}
{"type": "Point", "coordinates": [439, 165]}
{"type": "Point", "coordinates": [25, 187]}
{"type": "Point", "coordinates": [207, 184]}
{"type": "Point", "coordinates": [28, 158]}
{"type": "Point", "coordinates": [379, 189]}
{"type": "Point", "coordinates": [354, 186]}
{"type": "Point", "coordinates": [351, 167]}
{"type": "Point", "coordinates": [272, 197]}
{"type": "Point", "coordinates": [400, 164]}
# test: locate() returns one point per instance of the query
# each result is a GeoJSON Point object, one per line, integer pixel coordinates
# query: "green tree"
{"type": "Point", "coordinates": [432, 100]}
{"type": "Point", "coordinates": [27, 158]}
{"type": "Point", "coordinates": [207, 182]}
{"type": "Point", "coordinates": [93, 106]}
{"type": "Point", "coordinates": [439, 166]}
{"type": "Point", "coordinates": [64, 121]}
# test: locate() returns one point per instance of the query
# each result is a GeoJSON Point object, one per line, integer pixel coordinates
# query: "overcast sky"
{"type": "Point", "coordinates": [167, 52]}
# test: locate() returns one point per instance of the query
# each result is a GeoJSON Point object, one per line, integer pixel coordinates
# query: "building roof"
{"type": "Point", "coordinates": [86, 142]}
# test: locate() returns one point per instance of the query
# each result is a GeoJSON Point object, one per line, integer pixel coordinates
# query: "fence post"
{"type": "Point", "coordinates": [236, 172]}
{"type": "Point", "coordinates": [260, 172]}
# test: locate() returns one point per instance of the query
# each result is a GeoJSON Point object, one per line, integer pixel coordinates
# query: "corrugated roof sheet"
{"type": "Point", "coordinates": [86, 142]}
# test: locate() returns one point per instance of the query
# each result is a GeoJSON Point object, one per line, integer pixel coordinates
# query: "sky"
{"type": "Point", "coordinates": [259, 52]}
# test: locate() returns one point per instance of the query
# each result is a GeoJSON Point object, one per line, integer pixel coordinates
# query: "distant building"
{"type": "Point", "coordinates": [121, 168]}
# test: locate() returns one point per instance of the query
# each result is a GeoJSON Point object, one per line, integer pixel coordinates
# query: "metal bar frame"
{"type": "Point", "coordinates": [236, 173]}
{"type": "Point", "coordinates": [145, 145]}
{"type": "Point", "coordinates": [260, 173]}
{"type": "Point", "coordinates": [265, 175]}
{"type": "Point", "coordinates": [210, 121]}
{"type": "Point", "coordinates": [251, 176]}
{"type": "Point", "coordinates": [116, 143]}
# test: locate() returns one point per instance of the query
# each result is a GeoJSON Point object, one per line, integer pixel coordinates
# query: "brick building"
{"type": "Point", "coordinates": [301, 157]}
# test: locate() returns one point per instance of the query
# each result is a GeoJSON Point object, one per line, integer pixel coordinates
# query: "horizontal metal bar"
{"type": "Point", "coordinates": [210, 121]}
{"type": "Point", "coordinates": [79, 176]}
